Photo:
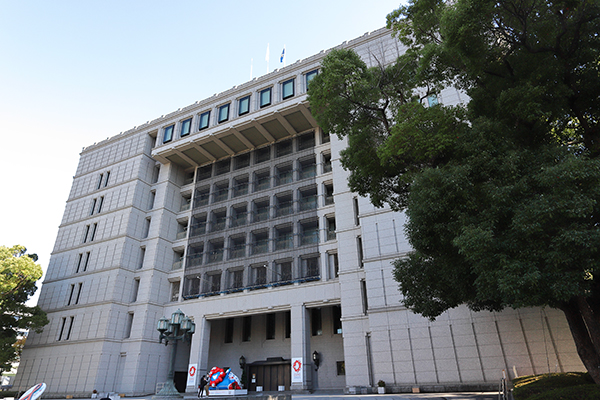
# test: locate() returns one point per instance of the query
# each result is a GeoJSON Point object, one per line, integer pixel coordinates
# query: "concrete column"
{"type": "Point", "coordinates": [199, 349]}
{"type": "Point", "coordinates": [300, 338]}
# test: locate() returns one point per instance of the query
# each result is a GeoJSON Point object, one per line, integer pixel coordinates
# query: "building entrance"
{"type": "Point", "coordinates": [269, 374]}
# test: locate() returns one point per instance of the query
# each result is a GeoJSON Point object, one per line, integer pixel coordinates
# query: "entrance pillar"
{"type": "Point", "coordinates": [199, 350]}
{"type": "Point", "coordinates": [300, 337]}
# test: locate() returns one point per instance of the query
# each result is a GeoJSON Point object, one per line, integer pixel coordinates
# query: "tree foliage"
{"type": "Point", "coordinates": [502, 198]}
{"type": "Point", "coordinates": [18, 274]}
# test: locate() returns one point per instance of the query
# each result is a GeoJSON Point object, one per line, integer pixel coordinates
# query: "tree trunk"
{"type": "Point", "coordinates": [583, 340]}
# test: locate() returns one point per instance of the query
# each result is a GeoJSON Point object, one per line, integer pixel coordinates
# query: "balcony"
{"type": "Point", "coordinates": [237, 251]}
{"type": "Point", "coordinates": [308, 203]}
{"type": "Point", "coordinates": [260, 247]}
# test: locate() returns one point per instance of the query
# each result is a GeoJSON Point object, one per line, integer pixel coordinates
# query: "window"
{"type": "Point", "coordinates": [284, 204]}
{"type": "Point", "coordinates": [306, 141]}
{"type": "Point", "coordinates": [432, 100]}
{"type": "Point", "coordinates": [284, 174]}
{"type": "Point", "coordinates": [186, 125]}
{"type": "Point", "coordinates": [87, 261]}
{"type": "Point", "coordinates": [79, 258]}
{"type": "Point", "coordinates": [100, 203]}
{"type": "Point", "coordinates": [334, 266]}
{"type": "Point", "coordinates": [100, 181]}
{"type": "Point", "coordinates": [330, 220]}
{"type": "Point", "coordinates": [198, 226]}
{"type": "Point", "coordinates": [175, 290]}
{"type": "Point", "coordinates": [265, 97]}
{"type": "Point", "coordinates": [136, 288]}
{"type": "Point", "coordinates": [359, 247]}
{"type": "Point", "coordinates": [260, 242]}
{"type": "Point", "coordinates": [270, 326]}
{"type": "Point", "coordinates": [336, 313]}
{"type": "Point", "coordinates": [229, 330]}
{"type": "Point", "coordinates": [68, 336]}
{"type": "Point", "coordinates": [326, 163]}
{"type": "Point", "coordinates": [142, 256]}
{"type": "Point", "coordinates": [79, 286]}
{"type": "Point", "coordinates": [283, 148]}
{"type": "Point", "coordinates": [287, 89]}
{"type": "Point", "coordinates": [71, 292]}
{"type": "Point", "coordinates": [363, 293]}
{"type": "Point", "coordinates": [222, 167]}
{"type": "Point", "coordinates": [94, 229]}
{"type": "Point", "coordinates": [308, 168]}
{"type": "Point", "coordinates": [309, 232]}
{"type": "Point", "coordinates": [86, 233]}
{"type": "Point", "coordinates": [237, 279]}
{"type": "Point", "coordinates": [223, 113]}
{"type": "Point", "coordinates": [238, 247]}
{"type": "Point", "coordinates": [325, 138]}
{"type": "Point", "coordinates": [308, 198]}
{"type": "Point", "coordinates": [261, 155]}
{"type": "Point", "coordinates": [201, 197]}
{"type": "Point", "coordinates": [285, 237]}
{"type": "Point", "coordinates": [204, 172]}
{"type": "Point", "coordinates": [310, 267]}
{"type": "Point", "coordinates": [259, 274]}
{"type": "Point", "coordinates": [310, 76]}
{"type": "Point", "coordinates": [239, 215]}
{"type": "Point", "coordinates": [219, 218]}
{"type": "Point", "coordinates": [129, 325]}
{"type": "Point", "coordinates": [216, 251]}
{"type": "Point", "coordinates": [241, 161]}
{"type": "Point", "coordinates": [261, 210]}
{"type": "Point", "coordinates": [168, 134]}
{"type": "Point", "coordinates": [151, 198]}
{"type": "Point", "coordinates": [204, 118]}
{"type": "Point", "coordinates": [194, 255]}
{"type": "Point", "coordinates": [155, 173]}
{"type": "Point", "coordinates": [284, 271]}
{"type": "Point", "coordinates": [328, 193]}
{"type": "Point", "coordinates": [213, 283]}
{"type": "Point", "coordinates": [93, 207]}
{"type": "Point", "coordinates": [146, 228]}
{"type": "Point", "coordinates": [107, 177]}
{"type": "Point", "coordinates": [221, 191]}
{"type": "Point", "coordinates": [240, 185]}
{"type": "Point", "coordinates": [316, 324]}
{"type": "Point", "coordinates": [244, 105]}
{"type": "Point", "coordinates": [340, 367]}
{"type": "Point", "coordinates": [63, 322]}
{"type": "Point", "coordinates": [262, 180]}
{"type": "Point", "coordinates": [356, 211]}
{"type": "Point", "coordinates": [247, 328]}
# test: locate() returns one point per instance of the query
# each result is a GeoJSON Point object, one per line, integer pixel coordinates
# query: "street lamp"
{"type": "Point", "coordinates": [179, 327]}
{"type": "Point", "coordinates": [316, 360]}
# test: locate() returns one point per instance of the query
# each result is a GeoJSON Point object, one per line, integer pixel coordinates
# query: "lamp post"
{"type": "Point", "coordinates": [179, 327]}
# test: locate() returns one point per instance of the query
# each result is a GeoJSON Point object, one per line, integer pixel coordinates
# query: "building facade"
{"type": "Point", "coordinates": [236, 211]}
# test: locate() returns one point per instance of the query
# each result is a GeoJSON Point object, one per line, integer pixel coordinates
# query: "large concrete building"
{"type": "Point", "coordinates": [236, 210]}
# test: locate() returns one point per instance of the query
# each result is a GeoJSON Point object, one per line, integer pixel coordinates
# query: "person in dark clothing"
{"type": "Point", "coordinates": [202, 386]}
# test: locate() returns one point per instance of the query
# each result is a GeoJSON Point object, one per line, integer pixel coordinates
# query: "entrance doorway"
{"type": "Point", "coordinates": [269, 374]}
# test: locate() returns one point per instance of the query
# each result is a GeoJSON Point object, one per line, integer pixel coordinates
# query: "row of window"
{"type": "Point", "coordinates": [261, 155]}
{"type": "Point", "coordinates": [316, 323]}
{"type": "Point", "coordinates": [90, 232]}
{"type": "Point", "coordinates": [259, 180]}
{"type": "Point", "coordinates": [283, 237]}
{"type": "Point", "coordinates": [282, 204]}
{"type": "Point", "coordinates": [264, 98]}
{"type": "Point", "coordinates": [260, 275]}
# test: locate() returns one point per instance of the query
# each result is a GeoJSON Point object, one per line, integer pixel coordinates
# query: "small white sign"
{"type": "Point", "coordinates": [297, 367]}
{"type": "Point", "coordinates": [192, 372]}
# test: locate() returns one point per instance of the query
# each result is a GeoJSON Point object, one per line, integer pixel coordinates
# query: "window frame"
{"type": "Point", "coordinates": [168, 133]}
{"type": "Point", "coordinates": [185, 123]}
{"type": "Point", "coordinates": [289, 84]}
{"type": "Point", "coordinates": [220, 118]}
{"type": "Point", "coordinates": [309, 76]}
{"type": "Point", "coordinates": [246, 100]}
{"type": "Point", "coordinates": [204, 116]}
{"type": "Point", "coordinates": [261, 101]}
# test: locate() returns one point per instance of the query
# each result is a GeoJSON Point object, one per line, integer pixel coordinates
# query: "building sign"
{"type": "Point", "coordinates": [297, 366]}
{"type": "Point", "coordinates": [192, 372]}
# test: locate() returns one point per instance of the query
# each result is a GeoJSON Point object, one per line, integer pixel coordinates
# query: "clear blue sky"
{"type": "Point", "coordinates": [76, 72]}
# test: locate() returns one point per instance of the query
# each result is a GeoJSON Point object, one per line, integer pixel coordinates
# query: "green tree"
{"type": "Point", "coordinates": [502, 198]}
{"type": "Point", "coordinates": [18, 274]}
